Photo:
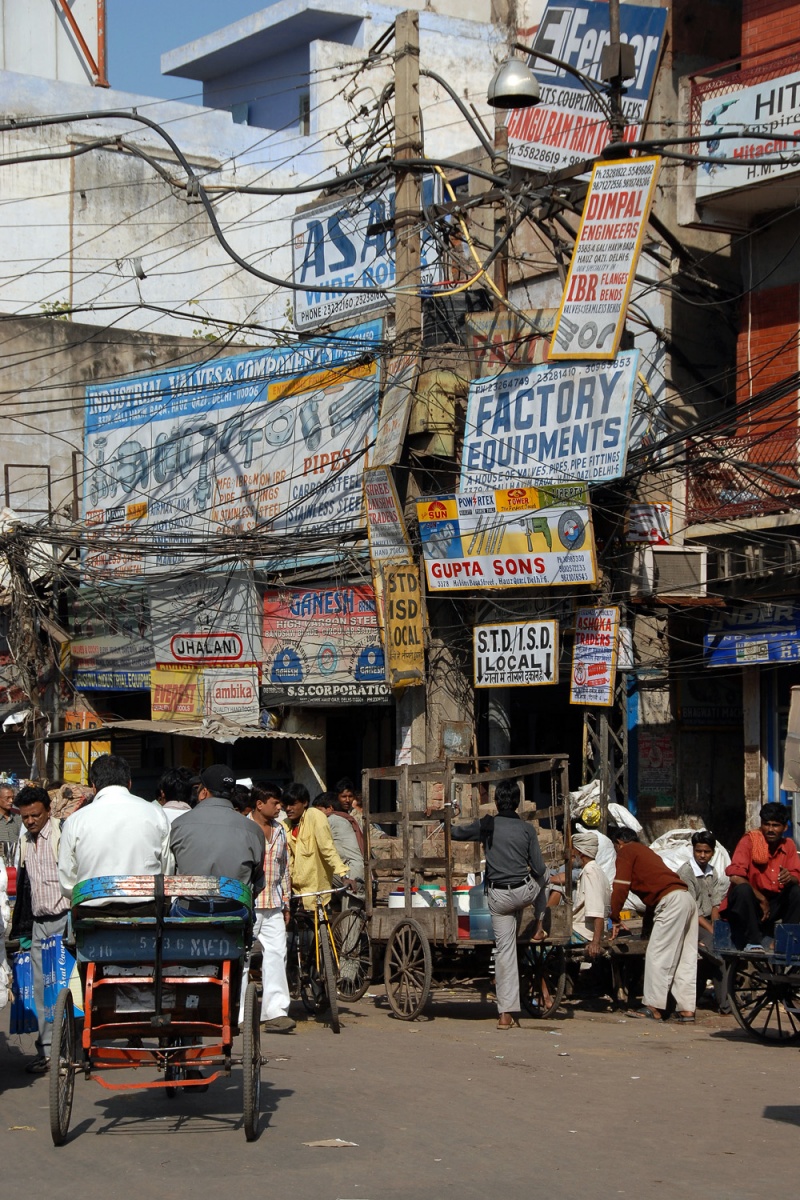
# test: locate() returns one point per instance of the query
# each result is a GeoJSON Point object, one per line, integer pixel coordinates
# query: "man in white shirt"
{"type": "Point", "coordinates": [592, 893]}
{"type": "Point", "coordinates": [117, 834]}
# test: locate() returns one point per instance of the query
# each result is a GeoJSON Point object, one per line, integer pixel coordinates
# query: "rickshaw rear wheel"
{"type": "Point", "coordinates": [62, 1067]}
{"type": "Point", "coordinates": [407, 970]}
{"type": "Point", "coordinates": [251, 1063]}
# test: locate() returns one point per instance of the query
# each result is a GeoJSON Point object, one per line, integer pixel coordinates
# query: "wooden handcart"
{"type": "Point", "coordinates": [426, 946]}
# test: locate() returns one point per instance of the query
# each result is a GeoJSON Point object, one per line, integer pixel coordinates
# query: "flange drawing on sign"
{"type": "Point", "coordinates": [571, 529]}
{"type": "Point", "coordinates": [279, 426]}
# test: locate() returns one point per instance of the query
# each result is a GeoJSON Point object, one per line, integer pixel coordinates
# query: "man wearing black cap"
{"type": "Point", "coordinates": [213, 839]}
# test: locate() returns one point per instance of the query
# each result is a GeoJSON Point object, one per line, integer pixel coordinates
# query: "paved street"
{"type": "Point", "coordinates": [587, 1105]}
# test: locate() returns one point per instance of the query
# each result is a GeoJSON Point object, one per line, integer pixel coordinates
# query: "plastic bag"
{"type": "Point", "coordinates": [23, 1008]}
{"type": "Point", "coordinates": [59, 970]}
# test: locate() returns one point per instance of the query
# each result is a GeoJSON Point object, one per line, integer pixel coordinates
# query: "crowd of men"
{"type": "Point", "coordinates": [280, 844]}
{"type": "Point", "coordinates": [273, 841]}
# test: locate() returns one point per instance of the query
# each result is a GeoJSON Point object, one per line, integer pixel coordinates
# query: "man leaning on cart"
{"type": "Point", "coordinates": [514, 878]}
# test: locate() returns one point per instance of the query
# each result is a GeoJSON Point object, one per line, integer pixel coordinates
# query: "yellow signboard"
{"type": "Point", "coordinates": [177, 694]}
{"type": "Point", "coordinates": [405, 625]}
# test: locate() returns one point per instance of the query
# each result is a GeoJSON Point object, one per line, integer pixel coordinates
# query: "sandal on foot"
{"type": "Point", "coordinates": [644, 1011]}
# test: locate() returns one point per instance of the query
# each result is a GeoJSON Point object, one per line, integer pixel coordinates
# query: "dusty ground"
{"type": "Point", "coordinates": [585, 1105]}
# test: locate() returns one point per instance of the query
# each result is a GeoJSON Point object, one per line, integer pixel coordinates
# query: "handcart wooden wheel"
{"type": "Point", "coordinates": [764, 994]}
{"type": "Point", "coordinates": [407, 970]}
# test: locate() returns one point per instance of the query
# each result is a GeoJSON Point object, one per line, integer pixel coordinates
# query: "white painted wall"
{"type": "Point", "coordinates": [35, 39]}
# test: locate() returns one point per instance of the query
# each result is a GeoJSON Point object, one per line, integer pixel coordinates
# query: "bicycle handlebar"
{"type": "Point", "coordinates": [324, 892]}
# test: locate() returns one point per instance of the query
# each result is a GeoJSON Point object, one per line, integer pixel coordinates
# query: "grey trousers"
{"type": "Point", "coordinates": [41, 931]}
{"type": "Point", "coordinates": [505, 907]}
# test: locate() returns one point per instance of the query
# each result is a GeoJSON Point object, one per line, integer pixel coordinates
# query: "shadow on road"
{"type": "Point", "coordinates": [788, 1113]}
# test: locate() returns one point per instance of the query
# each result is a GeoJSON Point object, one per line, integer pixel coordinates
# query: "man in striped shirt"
{"type": "Point", "coordinates": [272, 910]}
{"type": "Point", "coordinates": [39, 855]}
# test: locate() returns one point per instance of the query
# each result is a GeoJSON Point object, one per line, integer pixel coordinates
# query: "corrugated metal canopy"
{"type": "Point", "coordinates": [213, 730]}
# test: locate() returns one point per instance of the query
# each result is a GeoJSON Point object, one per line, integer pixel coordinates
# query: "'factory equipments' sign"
{"type": "Point", "coordinates": [549, 424]}
{"type": "Point", "coordinates": [600, 277]}
{"type": "Point", "coordinates": [520, 537]}
{"type": "Point", "coordinates": [516, 655]}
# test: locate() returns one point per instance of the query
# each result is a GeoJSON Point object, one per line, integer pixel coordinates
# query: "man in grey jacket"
{"type": "Point", "coordinates": [214, 839]}
{"type": "Point", "coordinates": [515, 874]}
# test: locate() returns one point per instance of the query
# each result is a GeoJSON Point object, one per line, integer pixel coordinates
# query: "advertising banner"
{"type": "Point", "coordinates": [405, 625]}
{"type": "Point", "coordinates": [502, 341]}
{"type": "Point", "coordinates": [79, 756]}
{"type": "Point", "coordinates": [321, 646]}
{"type": "Point", "coordinates": [232, 694]}
{"type": "Point", "coordinates": [770, 107]}
{"type": "Point", "coordinates": [549, 424]}
{"type": "Point", "coordinates": [753, 633]}
{"type": "Point", "coordinates": [600, 277]}
{"type": "Point", "coordinates": [401, 379]}
{"type": "Point", "coordinates": [520, 537]}
{"type": "Point", "coordinates": [206, 620]}
{"type": "Point", "coordinates": [349, 243]}
{"type": "Point", "coordinates": [568, 127]}
{"type": "Point", "coordinates": [274, 439]}
{"type": "Point", "coordinates": [177, 694]}
{"type": "Point", "coordinates": [388, 539]}
{"type": "Point", "coordinates": [594, 656]}
{"type": "Point", "coordinates": [111, 642]}
{"type": "Point", "coordinates": [518, 654]}
{"type": "Point", "coordinates": [656, 767]}
{"type": "Point", "coordinates": [649, 524]}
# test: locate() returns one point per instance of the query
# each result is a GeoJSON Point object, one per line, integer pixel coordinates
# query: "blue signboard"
{"type": "Point", "coordinates": [755, 633]}
{"type": "Point", "coordinates": [566, 127]}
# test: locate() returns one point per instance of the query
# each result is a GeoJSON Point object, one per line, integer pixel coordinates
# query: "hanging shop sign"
{"type": "Point", "coordinates": [110, 638]}
{"type": "Point", "coordinates": [753, 633]}
{"type": "Point", "coordinates": [388, 539]}
{"type": "Point", "coordinates": [404, 625]}
{"type": "Point", "coordinates": [349, 243]}
{"type": "Point", "coordinates": [520, 537]}
{"type": "Point", "coordinates": [770, 107]}
{"type": "Point", "coordinates": [566, 127]}
{"type": "Point", "coordinates": [600, 277]}
{"type": "Point", "coordinates": [272, 440]}
{"type": "Point", "coordinates": [518, 654]}
{"type": "Point", "coordinates": [79, 756]}
{"type": "Point", "coordinates": [177, 694]}
{"type": "Point", "coordinates": [549, 424]}
{"type": "Point", "coordinates": [655, 770]}
{"type": "Point", "coordinates": [594, 656]}
{"type": "Point", "coordinates": [232, 694]}
{"type": "Point", "coordinates": [321, 645]}
{"type": "Point", "coordinates": [501, 341]}
{"type": "Point", "coordinates": [206, 620]}
{"type": "Point", "coordinates": [401, 379]}
{"type": "Point", "coordinates": [649, 524]}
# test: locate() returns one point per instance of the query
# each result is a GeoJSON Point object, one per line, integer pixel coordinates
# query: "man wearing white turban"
{"type": "Point", "coordinates": [592, 902]}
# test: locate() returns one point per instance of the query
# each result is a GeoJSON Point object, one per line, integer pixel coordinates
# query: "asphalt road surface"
{"type": "Point", "coordinates": [585, 1105]}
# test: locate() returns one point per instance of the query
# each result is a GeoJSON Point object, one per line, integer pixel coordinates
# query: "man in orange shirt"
{"type": "Point", "coordinates": [765, 881]}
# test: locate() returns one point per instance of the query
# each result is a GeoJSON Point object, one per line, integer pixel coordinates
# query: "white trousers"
{"type": "Point", "coordinates": [270, 930]}
{"type": "Point", "coordinates": [670, 964]}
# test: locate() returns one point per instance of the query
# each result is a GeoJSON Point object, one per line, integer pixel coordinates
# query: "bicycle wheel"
{"type": "Point", "coordinates": [251, 1063]}
{"type": "Point", "coordinates": [354, 948]}
{"type": "Point", "coordinates": [329, 974]}
{"type": "Point", "coordinates": [62, 1067]}
{"type": "Point", "coordinates": [542, 978]}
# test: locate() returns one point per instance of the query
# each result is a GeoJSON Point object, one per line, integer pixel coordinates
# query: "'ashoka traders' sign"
{"type": "Point", "coordinates": [592, 313]}
{"type": "Point", "coordinates": [567, 127]}
{"type": "Point", "coordinates": [521, 654]}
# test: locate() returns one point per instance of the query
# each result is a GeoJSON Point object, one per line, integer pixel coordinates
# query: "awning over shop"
{"type": "Point", "coordinates": [212, 730]}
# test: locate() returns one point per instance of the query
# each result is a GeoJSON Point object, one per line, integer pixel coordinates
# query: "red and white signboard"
{"type": "Point", "coordinates": [649, 524]}
{"type": "Point", "coordinates": [592, 313]}
{"type": "Point", "coordinates": [233, 694]}
{"type": "Point", "coordinates": [594, 656]}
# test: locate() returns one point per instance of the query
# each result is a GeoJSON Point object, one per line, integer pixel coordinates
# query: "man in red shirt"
{"type": "Point", "coordinates": [670, 964]}
{"type": "Point", "coordinates": [765, 881]}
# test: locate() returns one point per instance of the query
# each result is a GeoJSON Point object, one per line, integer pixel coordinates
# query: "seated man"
{"type": "Point", "coordinates": [117, 834]}
{"type": "Point", "coordinates": [213, 839]}
{"type": "Point", "coordinates": [708, 889]}
{"type": "Point", "coordinates": [765, 881]}
{"type": "Point", "coordinates": [592, 902]}
{"type": "Point", "coordinates": [670, 963]}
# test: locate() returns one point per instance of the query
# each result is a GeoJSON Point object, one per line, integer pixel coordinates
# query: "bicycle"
{"type": "Point", "coordinates": [312, 961]}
